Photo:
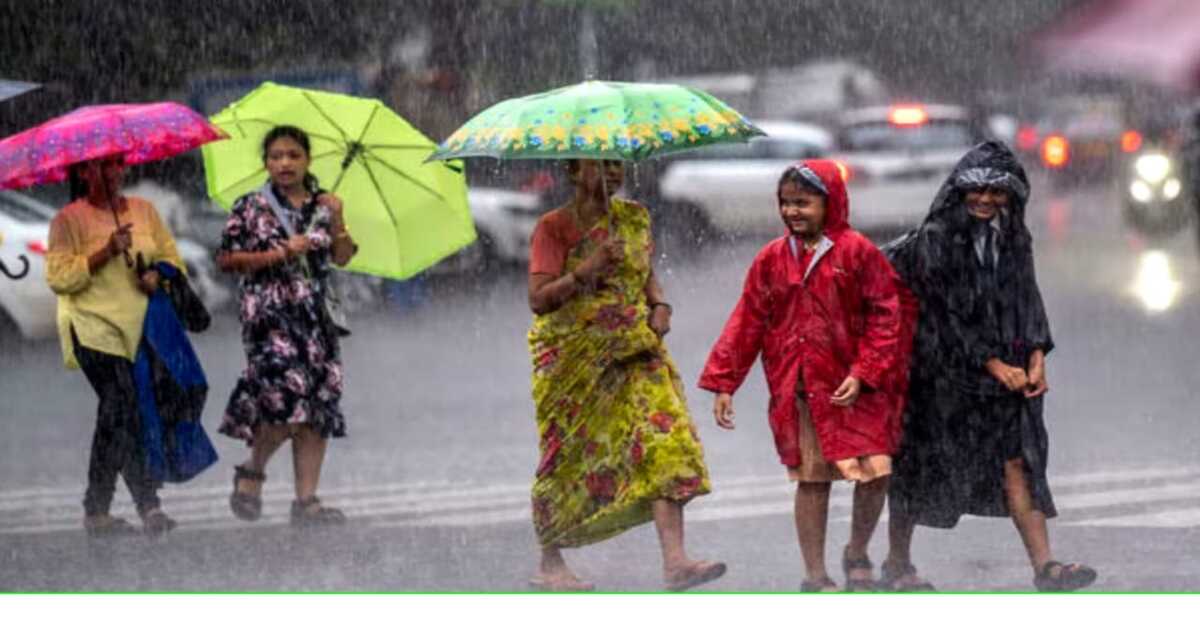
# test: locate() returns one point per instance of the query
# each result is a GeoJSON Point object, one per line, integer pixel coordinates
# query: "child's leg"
{"type": "Point", "coordinates": [812, 514]}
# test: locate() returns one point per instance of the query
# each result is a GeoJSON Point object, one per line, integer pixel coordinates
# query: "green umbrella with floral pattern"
{"type": "Point", "coordinates": [600, 120]}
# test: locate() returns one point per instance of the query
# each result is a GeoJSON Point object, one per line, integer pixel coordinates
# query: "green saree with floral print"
{"type": "Point", "coordinates": [615, 433]}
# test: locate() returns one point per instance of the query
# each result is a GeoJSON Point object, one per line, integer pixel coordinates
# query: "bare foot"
{"type": "Point", "coordinates": [560, 581]}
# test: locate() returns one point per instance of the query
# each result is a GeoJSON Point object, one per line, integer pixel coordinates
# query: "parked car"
{"type": "Point", "coordinates": [896, 158]}
{"type": "Point", "coordinates": [504, 221]}
{"type": "Point", "coordinates": [27, 306]}
{"type": "Point", "coordinates": [730, 188]}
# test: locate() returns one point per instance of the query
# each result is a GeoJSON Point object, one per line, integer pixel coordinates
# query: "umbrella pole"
{"type": "Point", "coordinates": [112, 205]}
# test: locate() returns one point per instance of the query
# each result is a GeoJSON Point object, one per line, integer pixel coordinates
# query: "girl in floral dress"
{"type": "Point", "coordinates": [282, 238]}
{"type": "Point", "coordinates": [618, 447]}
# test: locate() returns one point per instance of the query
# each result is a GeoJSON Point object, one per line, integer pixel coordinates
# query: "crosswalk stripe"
{"type": "Point", "coordinates": [1168, 518]}
{"type": "Point", "coordinates": [25, 498]}
{"type": "Point", "coordinates": [459, 504]}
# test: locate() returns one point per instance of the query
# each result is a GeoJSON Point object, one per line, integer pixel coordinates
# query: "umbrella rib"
{"type": "Point", "coordinates": [245, 179]}
{"type": "Point", "coordinates": [359, 144]}
{"type": "Point", "coordinates": [387, 207]}
{"type": "Point", "coordinates": [327, 117]}
{"type": "Point", "coordinates": [407, 147]}
{"type": "Point", "coordinates": [367, 157]}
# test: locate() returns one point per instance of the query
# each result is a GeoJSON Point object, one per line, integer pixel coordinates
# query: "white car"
{"type": "Point", "coordinates": [504, 221]}
{"type": "Point", "coordinates": [731, 187]}
{"type": "Point", "coordinates": [896, 159]}
{"type": "Point", "coordinates": [26, 305]}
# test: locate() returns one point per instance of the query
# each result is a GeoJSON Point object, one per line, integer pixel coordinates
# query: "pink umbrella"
{"type": "Point", "coordinates": [1147, 40]}
{"type": "Point", "coordinates": [143, 132]}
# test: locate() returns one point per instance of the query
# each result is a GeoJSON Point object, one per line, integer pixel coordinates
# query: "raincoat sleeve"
{"type": "Point", "coordinates": [741, 341]}
{"type": "Point", "coordinates": [878, 345]}
{"type": "Point", "coordinates": [932, 282]}
{"type": "Point", "coordinates": [66, 262]}
{"type": "Point", "coordinates": [1037, 325]}
{"type": "Point", "coordinates": [164, 243]}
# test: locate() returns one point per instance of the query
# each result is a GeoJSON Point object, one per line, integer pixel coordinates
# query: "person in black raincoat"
{"type": "Point", "coordinates": [974, 440]}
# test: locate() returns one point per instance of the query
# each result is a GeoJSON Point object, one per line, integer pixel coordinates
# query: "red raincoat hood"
{"type": "Point", "coordinates": [837, 201]}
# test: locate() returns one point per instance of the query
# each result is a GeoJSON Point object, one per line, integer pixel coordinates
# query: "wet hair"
{"type": "Point", "coordinates": [76, 184]}
{"type": "Point", "coordinates": [793, 175]}
{"type": "Point", "coordinates": [294, 133]}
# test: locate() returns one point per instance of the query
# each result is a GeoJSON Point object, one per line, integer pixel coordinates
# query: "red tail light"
{"type": "Point", "coordinates": [1027, 138]}
{"type": "Point", "coordinates": [37, 247]}
{"type": "Point", "coordinates": [908, 115]}
{"type": "Point", "coordinates": [1056, 151]}
{"type": "Point", "coordinates": [1131, 141]}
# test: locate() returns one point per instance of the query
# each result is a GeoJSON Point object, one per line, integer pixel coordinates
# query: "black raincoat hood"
{"type": "Point", "coordinates": [989, 163]}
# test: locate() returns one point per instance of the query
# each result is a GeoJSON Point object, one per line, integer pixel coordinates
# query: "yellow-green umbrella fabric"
{"type": "Point", "coordinates": [405, 214]}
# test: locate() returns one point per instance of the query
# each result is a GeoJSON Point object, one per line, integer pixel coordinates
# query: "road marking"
{"type": "Point", "coordinates": [1167, 518]}
{"type": "Point", "coordinates": [463, 504]}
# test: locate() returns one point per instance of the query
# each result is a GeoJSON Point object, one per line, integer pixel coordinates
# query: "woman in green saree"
{"type": "Point", "coordinates": [618, 447]}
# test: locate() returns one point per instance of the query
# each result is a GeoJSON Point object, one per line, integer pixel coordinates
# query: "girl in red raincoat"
{"type": "Point", "coordinates": [821, 306]}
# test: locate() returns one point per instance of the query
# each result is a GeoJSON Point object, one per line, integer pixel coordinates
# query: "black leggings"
{"type": "Point", "coordinates": [116, 445]}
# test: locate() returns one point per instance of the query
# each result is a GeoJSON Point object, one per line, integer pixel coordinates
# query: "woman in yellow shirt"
{"type": "Point", "coordinates": [102, 302]}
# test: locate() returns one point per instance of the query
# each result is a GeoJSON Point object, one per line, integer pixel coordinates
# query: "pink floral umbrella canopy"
{"type": "Point", "coordinates": [143, 132]}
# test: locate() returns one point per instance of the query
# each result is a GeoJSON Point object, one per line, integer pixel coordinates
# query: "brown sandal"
{"type": "Point", "coordinates": [105, 526]}
{"type": "Point", "coordinates": [694, 575]}
{"type": "Point", "coordinates": [245, 506]}
{"type": "Point", "coordinates": [858, 585]}
{"type": "Point", "coordinates": [155, 522]}
{"type": "Point", "coordinates": [894, 574]}
{"type": "Point", "coordinates": [1069, 577]}
{"type": "Point", "coordinates": [304, 516]}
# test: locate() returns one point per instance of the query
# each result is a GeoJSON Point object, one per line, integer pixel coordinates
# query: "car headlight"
{"type": "Point", "coordinates": [1172, 188]}
{"type": "Point", "coordinates": [1152, 167]}
{"type": "Point", "coordinates": [1141, 191]}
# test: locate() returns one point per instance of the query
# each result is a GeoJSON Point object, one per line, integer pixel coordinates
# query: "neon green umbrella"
{"type": "Point", "coordinates": [404, 213]}
{"type": "Point", "coordinates": [599, 120]}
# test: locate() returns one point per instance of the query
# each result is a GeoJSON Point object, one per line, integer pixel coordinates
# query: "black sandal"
{"type": "Point", "coordinates": [304, 516]}
{"type": "Point", "coordinates": [1071, 577]}
{"type": "Point", "coordinates": [893, 579]}
{"type": "Point", "coordinates": [247, 507]}
{"type": "Point", "coordinates": [823, 585]}
{"type": "Point", "coordinates": [857, 585]}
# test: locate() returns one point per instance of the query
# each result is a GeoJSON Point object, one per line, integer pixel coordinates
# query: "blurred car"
{"type": "Point", "coordinates": [27, 306]}
{"type": "Point", "coordinates": [32, 306]}
{"type": "Point", "coordinates": [896, 157]}
{"type": "Point", "coordinates": [504, 221]}
{"type": "Point", "coordinates": [730, 188]}
{"type": "Point", "coordinates": [1080, 138]}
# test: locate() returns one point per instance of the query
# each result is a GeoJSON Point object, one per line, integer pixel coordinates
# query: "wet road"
{"type": "Point", "coordinates": [442, 446]}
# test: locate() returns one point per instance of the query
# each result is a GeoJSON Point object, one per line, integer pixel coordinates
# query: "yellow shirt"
{"type": "Point", "coordinates": [106, 308]}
